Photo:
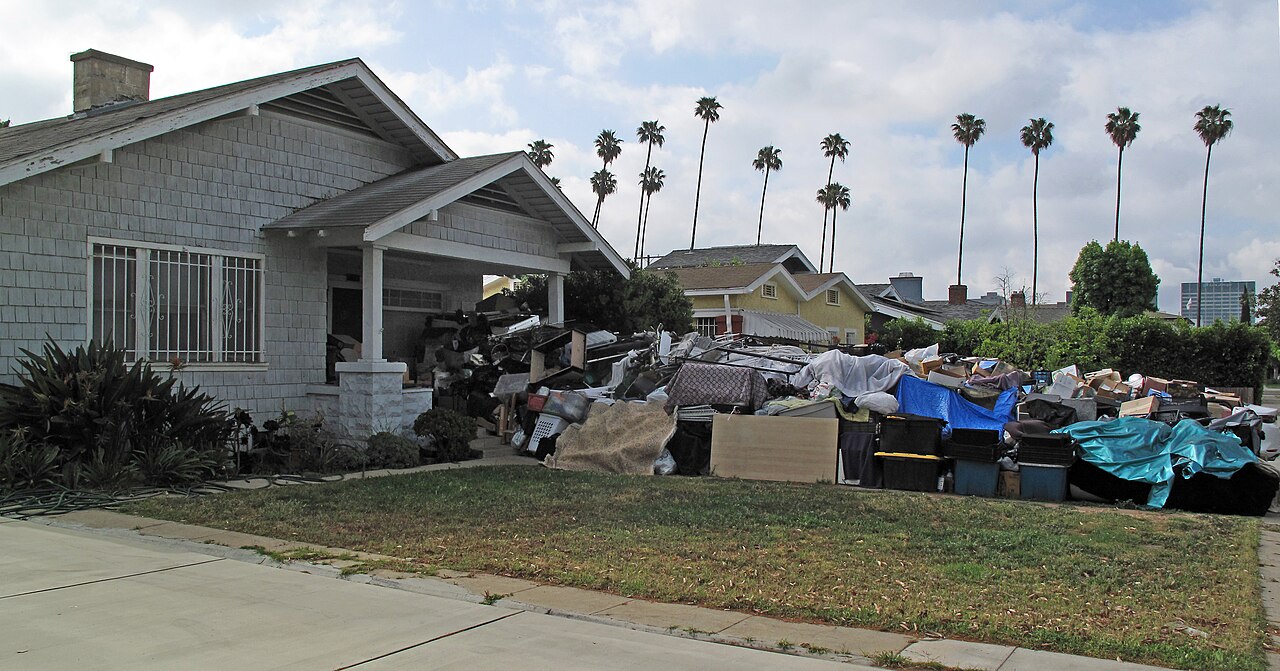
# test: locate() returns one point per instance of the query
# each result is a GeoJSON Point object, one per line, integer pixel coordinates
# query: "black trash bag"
{"type": "Point", "coordinates": [1249, 491]}
{"type": "Point", "coordinates": [690, 446]}
{"type": "Point", "coordinates": [1056, 415]}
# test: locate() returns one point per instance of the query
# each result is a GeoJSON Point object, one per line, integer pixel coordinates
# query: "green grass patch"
{"type": "Point", "coordinates": [1091, 581]}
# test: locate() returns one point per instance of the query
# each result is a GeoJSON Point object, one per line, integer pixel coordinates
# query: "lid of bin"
{"type": "Point", "coordinates": [907, 455]}
{"type": "Point", "coordinates": [908, 417]}
{"type": "Point", "coordinates": [1023, 463]}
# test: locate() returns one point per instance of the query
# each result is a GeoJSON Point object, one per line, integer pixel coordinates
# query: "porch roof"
{"type": "Point", "coordinates": [387, 205]}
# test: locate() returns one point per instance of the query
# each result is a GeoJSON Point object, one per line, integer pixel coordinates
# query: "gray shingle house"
{"type": "Point", "coordinates": [230, 230]}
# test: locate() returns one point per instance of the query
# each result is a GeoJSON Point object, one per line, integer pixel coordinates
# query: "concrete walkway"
{"type": "Point", "coordinates": [131, 592]}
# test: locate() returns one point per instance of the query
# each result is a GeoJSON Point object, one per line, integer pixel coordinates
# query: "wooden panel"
{"type": "Point", "coordinates": [791, 449]}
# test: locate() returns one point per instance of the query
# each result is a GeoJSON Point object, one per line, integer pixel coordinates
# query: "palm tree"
{"type": "Point", "coordinates": [766, 159]}
{"type": "Point", "coordinates": [540, 153]}
{"type": "Point", "coordinates": [967, 129]}
{"type": "Point", "coordinates": [1036, 135]}
{"type": "Point", "coordinates": [602, 184]}
{"type": "Point", "coordinates": [833, 146]}
{"type": "Point", "coordinates": [1122, 126]}
{"type": "Point", "coordinates": [833, 196]}
{"type": "Point", "coordinates": [650, 183]}
{"type": "Point", "coordinates": [608, 148]}
{"type": "Point", "coordinates": [650, 133]}
{"type": "Point", "coordinates": [707, 109]}
{"type": "Point", "coordinates": [1212, 124]}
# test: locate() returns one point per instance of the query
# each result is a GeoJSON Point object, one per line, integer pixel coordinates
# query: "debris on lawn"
{"type": "Point", "coordinates": [581, 398]}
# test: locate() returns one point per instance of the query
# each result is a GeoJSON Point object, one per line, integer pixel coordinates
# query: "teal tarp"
{"type": "Point", "coordinates": [1141, 450]}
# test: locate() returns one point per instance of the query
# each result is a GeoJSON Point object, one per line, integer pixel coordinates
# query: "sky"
{"type": "Point", "coordinates": [890, 77]}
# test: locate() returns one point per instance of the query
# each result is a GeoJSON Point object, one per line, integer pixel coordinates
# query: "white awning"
{"type": "Point", "coordinates": [780, 325]}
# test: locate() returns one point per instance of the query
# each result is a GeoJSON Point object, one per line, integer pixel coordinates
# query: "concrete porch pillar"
{"type": "Point", "coordinates": [370, 391]}
{"type": "Point", "coordinates": [555, 298]}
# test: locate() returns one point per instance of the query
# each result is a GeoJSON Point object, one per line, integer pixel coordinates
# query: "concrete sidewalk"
{"type": "Point", "coordinates": [81, 599]}
{"type": "Point", "coordinates": [132, 592]}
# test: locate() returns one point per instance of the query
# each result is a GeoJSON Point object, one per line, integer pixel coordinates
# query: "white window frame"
{"type": "Point", "coordinates": [700, 322]}
{"type": "Point", "coordinates": [769, 290]}
{"type": "Point", "coordinates": [833, 292]}
{"type": "Point", "coordinates": [143, 250]}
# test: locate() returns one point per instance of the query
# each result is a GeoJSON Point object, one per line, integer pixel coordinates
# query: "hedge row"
{"type": "Point", "coordinates": [1224, 354]}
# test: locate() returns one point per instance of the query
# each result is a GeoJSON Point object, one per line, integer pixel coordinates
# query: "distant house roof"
{"type": "Point", "coordinates": [971, 309]}
{"type": "Point", "coordinates": [722, 277]}
{"type": "Point", "coordinates": [1046, 313]}
{"type": "Point", "coordinates": [344, 92]}
{"type": "Point", "coordinates": [874, 290]}
{"type": "Point", "coordinates": [790, 255]}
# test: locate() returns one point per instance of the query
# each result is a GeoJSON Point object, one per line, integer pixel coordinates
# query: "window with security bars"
{"type": "Point", "coordinates": [706, 326]}
{"type": "Point", "coordinates": [172, 304]}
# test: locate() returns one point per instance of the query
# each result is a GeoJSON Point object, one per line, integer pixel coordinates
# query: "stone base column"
{"type": "Point", "coordinates": [370, 397]}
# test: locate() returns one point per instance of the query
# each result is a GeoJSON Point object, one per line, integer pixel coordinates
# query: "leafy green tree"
{"type": "Point", "coordinates": [967, 129]}
{"type": "Point", "coordinates": [1122, 126]}
{"type": "Point", "coordinates": [603, 184]}
{"type": "Point", "coordinates": [834, 196]}
{"type": "Point", "coordinates": [644, 301]}
{"type": "Point", "coordinates": [4, 123]}
{"type": "Point", "coordinates": [707, 109]}
{"type": "Point", "coordinates": [1117, 280]}
{"type": "Point", "coordinates": [1036, 136]}
{"type": "Point", "coordinates": [834, 146]}
{"type": "Point", "coordinates": [905, 334]}
{"type": "Point", "coordinates": [766, 159]}
{"type": "Point", "coordinates": [1212, 124]}
{"type": "Point", "coordinates": [1269, 306]}
{"type": "Point", "coordinates": [650, 183]}
{"type": "Point", "coordinates": [650, 133]}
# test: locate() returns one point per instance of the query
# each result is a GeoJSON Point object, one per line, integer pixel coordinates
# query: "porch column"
{"type": "Point", "coordinates": [728, 315]}
{"type": "Point", "coordinates": [555, 298]}
{"type": "Point", "coordinates": [371, 285]}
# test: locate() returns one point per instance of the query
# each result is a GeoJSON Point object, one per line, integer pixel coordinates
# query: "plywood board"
{"type": "Point", "coordinates": [791, 449]}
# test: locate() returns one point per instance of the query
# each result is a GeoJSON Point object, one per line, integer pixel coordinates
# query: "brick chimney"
{"type": "Point", "coordinates": [957, 294]}
{"type": "Point", "coordinates": [102, 79]}
{"type": "Point", "coordinates": [1017, 299]}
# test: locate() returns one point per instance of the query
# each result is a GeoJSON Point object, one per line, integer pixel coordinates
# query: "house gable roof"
{"type": "Point", "coordinates": [733, 277]}
{"type": "Point", "coordinates": [736, 254]}
{"type": "Point", "coordinates": [815, 284]}
{"type": "Point", "coordinates": [384, 207]}
{"type": "Point", "coordinates": [33, 148]}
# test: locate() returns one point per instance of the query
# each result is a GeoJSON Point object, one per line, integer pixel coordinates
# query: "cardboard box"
{"type": "Point", "coordinates": [1009, 486]}
{"type": "Point", "coordinates": [938, 377]}
{"type": "Point", "coordinates": [1183, 389]}
{"type": "Point", "coordinates": [1140, 407]}
{"type": "Point", "coordinates": [929, 365]}
{"type": "Point", "coordinates": [1151, 384]}
{"type": "Point", "coordinates": [789, 449]}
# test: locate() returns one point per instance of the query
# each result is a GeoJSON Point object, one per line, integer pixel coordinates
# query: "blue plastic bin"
{"type": "Point", "coordinates": [1044, 482]}
{"type": "Point", "coordinates": [976, 478]}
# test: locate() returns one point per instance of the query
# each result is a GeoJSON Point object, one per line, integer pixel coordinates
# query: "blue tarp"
{"type": "Point", "coordinates": [919, 397]}
{"type": "Point", "coordinates": [1141, 450]}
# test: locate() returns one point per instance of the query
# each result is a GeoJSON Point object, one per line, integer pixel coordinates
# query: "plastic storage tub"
{"type": "Point", "coordinates": [1044, 482]}
{"type": "Point", "coordinates": [1051, 449]}
{"type": "Point", "coordinates": [910, 472]}
{"type": "Point", "coordinates": [976, 478]}
{"type": "Point", "coordinates": [911, 434]}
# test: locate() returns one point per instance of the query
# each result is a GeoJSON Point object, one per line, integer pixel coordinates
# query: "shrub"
{"type": "Point", "coordinates": [906, 334]}
{"type": "Point", "coordinates": [288, 444]}
{"type": "Point", "coordinates": [25, 465]}
{"type": "Point", "coordinates": [388, 450]}
{"type": "Point", "coordinates": [101, 415]}
{"type": "Point", "coordinates": [450, 432]}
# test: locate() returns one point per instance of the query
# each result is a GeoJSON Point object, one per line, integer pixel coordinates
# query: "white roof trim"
{"type": "Point", "coordinates": [770, 274]}
{"type": "Point", "coordinates": [562, 201]}
{"type": "Point", "coordinates": [795, 251]}
{"type": "Point", "coordinates": [899, 313]}
{"type": "Point", "coordinates": [144, 129]}
{"type": "Point", "coordinates": [841, 279]}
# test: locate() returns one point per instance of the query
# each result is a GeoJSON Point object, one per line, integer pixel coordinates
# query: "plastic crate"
{"type": "Point", "coordinates": [975, 478]}
{"type": "Point", "coordinates": [978, 437]}
{"type": "Point", "coordinates": [910, 472]}
{"type": "Point", "coordinates": [1049, 440]}
{"type": "Point", "coordinates": [988, 454]}
{"type": "Point", "coordinates": [904, 434]}
{"type": "Point", "coordinates": [1050, 449]}
{"type": "Point", "coordinates": [1044, 482]}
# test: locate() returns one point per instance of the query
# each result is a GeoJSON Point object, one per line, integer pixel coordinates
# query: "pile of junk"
{"type": "Point", "coordinates": [656, 403]}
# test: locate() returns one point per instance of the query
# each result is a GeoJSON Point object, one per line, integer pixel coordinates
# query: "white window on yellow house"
{"type": "Point", "coordinates": [851, 337]}
{"type": "Point", "coordinates": [833, 296]}
{"type": "Point", "coordinates": [769, 291]}
{"type": "Point", "coordinates": [706, 326]}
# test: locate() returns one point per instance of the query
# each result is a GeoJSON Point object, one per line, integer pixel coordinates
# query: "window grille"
{"type": "Point", "coordinates": [769, 291]}
{"type": "Point", "coordinates": [412, 299]}
{"type": "Point", "coordinates": [833, 296]}
{"type": "Point", "coordinates": [706, 326]}
{"type": "Point", "coordinates": [171, 304]}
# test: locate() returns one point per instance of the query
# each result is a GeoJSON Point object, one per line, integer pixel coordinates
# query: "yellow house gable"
{"type": "Point", "coordinates": [846, 316]}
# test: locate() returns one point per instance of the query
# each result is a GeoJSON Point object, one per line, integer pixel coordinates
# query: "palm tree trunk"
{"type": "Point", "coordinates": [644, 228]}
{"type": "Point", "coordinates": [822, 251]}
{"type": "Point", "coordinates": [640, 210]}
{"type": "Point", "coordinates": [595, 219]}
{"type": "Point", "coordinates": [760, 226]}
{"type": "Point", "coordinates": [1204, 201]}
{"type": "Point", "coordinates": [1035, 229]}
{"type": "Point", "coordinates": [1119, 166]}
{"type": "Point", "coordinates": [964, 190]}
{"type": "Point", "coordinates": [832, 267]}
{"type": "Point", "coordinates": [697, 196]}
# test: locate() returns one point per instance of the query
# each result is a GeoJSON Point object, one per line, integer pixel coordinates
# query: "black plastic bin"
{"type": "Point", "coordinates": [911, 434]}
{"type": "Point", "coordinates": [1049, 449]}
{"type": "Point", "coordinates": [910, 472]}
{"type": "Point", "coordinates": [982, 445]}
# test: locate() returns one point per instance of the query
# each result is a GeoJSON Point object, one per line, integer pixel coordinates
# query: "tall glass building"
{"type": "Point", "coordinates": [1221, 300]}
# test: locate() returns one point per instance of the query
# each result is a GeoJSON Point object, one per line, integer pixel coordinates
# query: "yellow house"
{"type": "Point", "coordinates": [769, 290]}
